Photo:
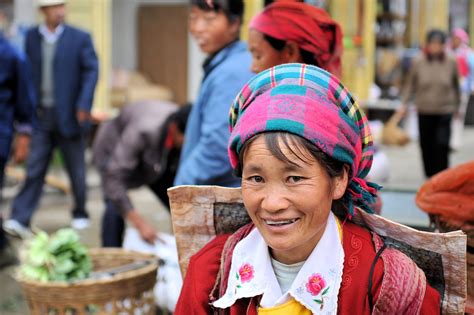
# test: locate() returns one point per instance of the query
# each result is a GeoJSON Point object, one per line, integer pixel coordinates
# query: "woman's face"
{"type": "Point", "coordinates": [264, 56]}
{"type": "Point", "coordinates": [288, 203]}
{"type": "Point", "coordinates": [455, 42]}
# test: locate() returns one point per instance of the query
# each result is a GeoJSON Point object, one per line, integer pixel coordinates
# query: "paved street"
{"type": "Point", "coordinates": [398, 197]}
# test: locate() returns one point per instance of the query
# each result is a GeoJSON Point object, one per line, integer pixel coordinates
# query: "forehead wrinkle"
{"type": "Point", "coordinates": [252, 168]}
{"type": "Point", "coordinates": [292, 167]}
{"type": "Point", "coordinates": [282, 166]}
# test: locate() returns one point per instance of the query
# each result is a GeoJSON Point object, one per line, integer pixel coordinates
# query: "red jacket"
{"type": "Point", "coordinates": [353, 295]}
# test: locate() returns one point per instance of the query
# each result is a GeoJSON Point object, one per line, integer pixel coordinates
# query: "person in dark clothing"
{"type": "Point", "coordinates": [65, 72]}
{"type": "Point", "coordinates": [140, 147]}
{"type": "Point", "coordinates": [434, 82]}
{"type": "Point", "coordinates": [17, 110]}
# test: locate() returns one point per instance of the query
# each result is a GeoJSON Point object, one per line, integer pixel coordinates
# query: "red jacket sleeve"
{"type": "Point", "coordinates": [431, 302]}
{"type": "Point", "coordinates": [200, 278]}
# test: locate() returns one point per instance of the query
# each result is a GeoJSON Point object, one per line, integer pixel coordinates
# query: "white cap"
{"type": "Point", "coordinates": [47, 3]}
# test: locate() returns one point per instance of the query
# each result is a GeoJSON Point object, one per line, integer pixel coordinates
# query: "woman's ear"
{"type": "Point", "coordinates": [340, 183]}
{"type": "Point", "coordinates": [292, 52]}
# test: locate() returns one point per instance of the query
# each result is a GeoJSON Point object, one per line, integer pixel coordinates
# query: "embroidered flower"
{"type": "Point", "coordinates": [315, 284]}
{"type": "Point", "coordinates": [246, 272]}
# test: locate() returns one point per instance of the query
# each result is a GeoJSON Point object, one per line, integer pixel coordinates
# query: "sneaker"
{"type": "Point", "coordinates": [80, 223]}
{"type": "Point", "coordinates": [16, 229]}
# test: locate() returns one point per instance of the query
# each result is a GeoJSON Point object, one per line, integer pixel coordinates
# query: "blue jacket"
{"type": "Point", "coordinates": [17, 108]}
{"type": "Point", "coordinates": [204, 159]}
{"type": "Point", "coordinates": [75, 74]}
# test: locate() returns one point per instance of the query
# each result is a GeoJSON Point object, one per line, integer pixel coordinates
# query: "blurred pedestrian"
{"type": "Point", "coordinates": [215, 25]}
{"type": "Point", "coordinates": [464, 57]}
{"type": "Point", "coordinates": [140, 147]}
{"type": "Point", "coordinates": [65, 71]}
{"type": "Point", "coordinates": [17, 111]}
{"type": "Point", "coordinates": [286, 32]}
{"type": "Point", "coordinates": [433, 81]}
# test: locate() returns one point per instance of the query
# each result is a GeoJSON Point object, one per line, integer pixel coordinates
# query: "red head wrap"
{"type": "Point", "coordinates": [310, 27]}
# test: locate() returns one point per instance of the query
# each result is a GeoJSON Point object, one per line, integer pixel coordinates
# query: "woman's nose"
{"type": "Point", "coordinates": [274, 200]}
{"type": "Point", "coordinates": [254, 67]}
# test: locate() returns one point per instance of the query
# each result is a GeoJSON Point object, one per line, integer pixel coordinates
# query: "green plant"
{"type": "Point", "coordinates": [59, 257]}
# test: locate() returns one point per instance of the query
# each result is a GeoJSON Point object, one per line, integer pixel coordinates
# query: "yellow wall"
{"type": "Point", "coordinates": [432, 14]}
{"type": "Point", "coordinates": [358, 63]}
{"type": "Point", "coordinates": [252, 7]}
{"type": "Point", "coordinates": [94, 16]}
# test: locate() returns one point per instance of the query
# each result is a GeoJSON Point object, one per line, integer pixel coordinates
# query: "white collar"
{"type": "Point", "coordinates": [251, 274]}
{"type": "Point", "coordinates": [51, 37]}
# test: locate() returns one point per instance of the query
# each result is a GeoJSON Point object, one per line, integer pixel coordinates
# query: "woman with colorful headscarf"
{"type": "Point", "coordinates": [302, 147]}
{"type": "Point", "coordinates": [286, 32]}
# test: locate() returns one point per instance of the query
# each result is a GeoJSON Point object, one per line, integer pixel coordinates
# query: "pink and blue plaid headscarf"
{"type": "Point", "coordinates": [312, 103]}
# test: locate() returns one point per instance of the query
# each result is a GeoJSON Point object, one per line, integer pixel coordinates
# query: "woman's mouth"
{"type": "Point", "coordinates": [282, 222]}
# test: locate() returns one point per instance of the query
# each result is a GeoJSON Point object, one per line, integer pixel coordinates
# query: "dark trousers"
{"type": "Point", "coordinates": [3, 239]}
{"type": "Point", "coordinates": [3, 163]}
{"type": "Point", "coordinates": [113, 223]}
{"type": "Point", "coordinates": [435, 132]}
{"type": "Point", "coordinates": [44, 140]}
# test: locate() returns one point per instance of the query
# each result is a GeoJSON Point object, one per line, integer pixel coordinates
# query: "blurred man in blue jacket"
{"type": "Point", "coordinates": [17, 110]}
{"type": "Point", "coordinates": [65, 71]}
{"type": "Point", "coordinates": [215, 24]}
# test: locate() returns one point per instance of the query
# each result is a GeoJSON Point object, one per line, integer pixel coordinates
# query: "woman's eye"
{"type": "Point", "coordinates": [295, 179]}
{"type": "Point", "coordinates": [256, 179]}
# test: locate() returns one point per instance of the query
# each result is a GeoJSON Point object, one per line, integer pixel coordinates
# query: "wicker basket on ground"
{"type": "Point", "coordinates": [128, 292]}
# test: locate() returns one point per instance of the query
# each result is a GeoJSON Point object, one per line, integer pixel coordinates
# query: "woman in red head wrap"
{"type": "Point", "coordinates": [286, 32]}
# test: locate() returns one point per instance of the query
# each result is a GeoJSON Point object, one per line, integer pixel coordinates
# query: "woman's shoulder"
{"type": "Point", "coordinates": [365, 270]}
{"type": "Point", "coordinates": [200, 278]}
{"type": "Point", "coordinates": [360, 252]}
{"type": "Point", "coordinates": [210, 253]}
{"type": "Point", "coordinates": [355, 234]}
{"type": "Point", "coordinates": [419, 58]}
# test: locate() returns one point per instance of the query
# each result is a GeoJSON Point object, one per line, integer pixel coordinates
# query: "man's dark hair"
{"type": "Point", "coordinates": [232, 9]}
{"type": "Point", "coordinates": [436, 35]}
{"type": "Point", "coordinates": [180, 117]}
{"type": "Point", "coordinates": [169, 156]}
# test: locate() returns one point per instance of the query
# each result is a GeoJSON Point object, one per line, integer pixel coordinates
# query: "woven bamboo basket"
{"type": "Point", "coordinates": [129, 292]}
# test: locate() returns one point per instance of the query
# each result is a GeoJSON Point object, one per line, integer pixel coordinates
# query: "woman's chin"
{"type": "Point", "coordinates": [280, 243]}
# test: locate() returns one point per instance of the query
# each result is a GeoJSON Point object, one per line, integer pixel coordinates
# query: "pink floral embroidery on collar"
{"type": "Point", "coordinates": [245, 273]}
{"type": "Point", "coordinates": [315, 285]}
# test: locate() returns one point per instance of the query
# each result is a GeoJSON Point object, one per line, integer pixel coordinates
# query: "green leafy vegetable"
{"type": "Point", "coordinates": [59, 257]}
